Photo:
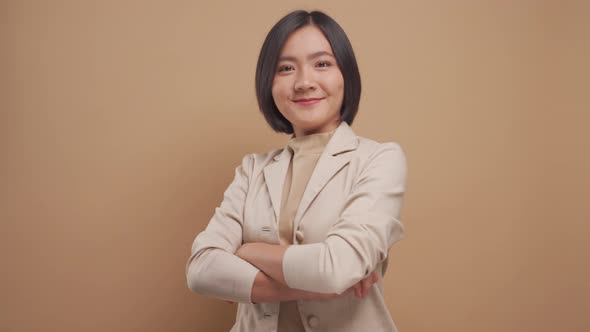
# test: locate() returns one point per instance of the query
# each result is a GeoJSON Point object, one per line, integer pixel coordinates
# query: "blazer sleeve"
{"type": "Point", "coordinates": [212, 268]}
{"type": "Point", "coordinates": [360, 238]}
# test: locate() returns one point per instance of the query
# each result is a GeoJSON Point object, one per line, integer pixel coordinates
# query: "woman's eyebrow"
{"type": "Point", "coordinates": [309, 57]}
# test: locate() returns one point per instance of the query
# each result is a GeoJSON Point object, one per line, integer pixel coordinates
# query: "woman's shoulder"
{"type": "Point", "coordinates": [370, 149]}
{"type": "Point", "coordinates": [254, 162]}
{"type": "Point", "coordinates": [387, 160]}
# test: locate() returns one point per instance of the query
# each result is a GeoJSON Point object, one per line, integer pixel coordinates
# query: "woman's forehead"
{"type": "Point", "coordinates": [306, 42]}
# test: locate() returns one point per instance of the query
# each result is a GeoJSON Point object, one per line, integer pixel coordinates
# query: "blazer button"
{"type": "Point", "coordinates": [299, 236]}
{"type": "Point", "coordinates": [313, 321]}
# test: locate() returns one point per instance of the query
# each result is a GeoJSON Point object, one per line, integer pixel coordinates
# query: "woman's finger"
{"type": "Point", "coordinates": [358, 289]}
{"type": "Point", "coordinates": [375, 277]}
{"type": "Point", "coordinates": [366, 284]}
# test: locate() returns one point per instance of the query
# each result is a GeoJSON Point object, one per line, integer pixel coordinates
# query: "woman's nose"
{"type": "Point", "coordinates": [304, 81]}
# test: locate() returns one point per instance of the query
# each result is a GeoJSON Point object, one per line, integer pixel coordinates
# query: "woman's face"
{"type": "Point", "coordinates": [308, 87]}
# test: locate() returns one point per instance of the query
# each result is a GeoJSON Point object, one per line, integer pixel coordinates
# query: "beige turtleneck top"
{"type": "Point", "coordinates": [306, 151]}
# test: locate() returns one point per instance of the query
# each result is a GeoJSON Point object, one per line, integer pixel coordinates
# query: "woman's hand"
{"type": "Point", "coordinates": [361, 288]}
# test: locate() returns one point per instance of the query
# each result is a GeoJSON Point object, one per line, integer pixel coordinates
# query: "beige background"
{"type": "Point", "coordinates": [122, 122]}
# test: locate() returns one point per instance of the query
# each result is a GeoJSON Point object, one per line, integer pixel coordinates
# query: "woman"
{"type": "Point", "coordinates": [304, 231]}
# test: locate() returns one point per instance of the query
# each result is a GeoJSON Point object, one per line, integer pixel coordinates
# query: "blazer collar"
{"type": "Point", "coordinates": [336, 155]}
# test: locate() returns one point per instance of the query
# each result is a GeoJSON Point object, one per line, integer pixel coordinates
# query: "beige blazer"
{"type": "Point", "coordinates": [348, 219]}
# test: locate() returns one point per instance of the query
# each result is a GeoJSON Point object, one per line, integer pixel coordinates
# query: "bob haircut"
{"type": "Point", "coordinates": [269, 55]}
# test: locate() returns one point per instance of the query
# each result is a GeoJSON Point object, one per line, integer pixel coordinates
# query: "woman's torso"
{"type": "Point", "coordinates": [320, 208]}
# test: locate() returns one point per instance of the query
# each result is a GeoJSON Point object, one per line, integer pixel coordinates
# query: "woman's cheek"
{"type": "Point", "coordinates": [336, 83]}
{"type": "Point", "coordinates": [278, 94]}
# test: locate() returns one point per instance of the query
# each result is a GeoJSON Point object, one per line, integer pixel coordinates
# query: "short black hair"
{"type": "Point", "coordinates": [268, 59]}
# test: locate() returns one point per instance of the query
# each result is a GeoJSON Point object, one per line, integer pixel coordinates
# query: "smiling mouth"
{"type": "Point", "coordinates": [307, 101]}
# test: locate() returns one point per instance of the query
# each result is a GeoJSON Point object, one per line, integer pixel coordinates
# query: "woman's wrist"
{"type": "Point", "coordinates": [265, 289]}
{"type": "Point", "coordinates": [266, 257]}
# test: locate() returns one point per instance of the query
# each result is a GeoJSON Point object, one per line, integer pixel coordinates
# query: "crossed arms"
{"type": "Point", "coordinates": [358, 241]}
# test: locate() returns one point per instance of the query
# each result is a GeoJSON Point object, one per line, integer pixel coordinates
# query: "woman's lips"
{"type": "Point", "coordinates": [308, 102]}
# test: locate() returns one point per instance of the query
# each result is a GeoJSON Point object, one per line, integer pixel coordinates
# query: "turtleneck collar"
{"type": "Point", "coordinates": [310, 144]}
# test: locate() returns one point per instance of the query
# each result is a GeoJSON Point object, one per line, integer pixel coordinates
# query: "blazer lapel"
{"type": "Point", "coordinates": [332, 159]}
{"type": "Point", "coordinates": [274, 176]}
{"type": "Point", "coordinates": [335, 156]}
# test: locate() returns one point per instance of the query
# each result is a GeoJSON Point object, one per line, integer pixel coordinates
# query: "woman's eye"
{"type": "Point", "coordinates": [323, 64]}
{"type": "Point", "coordinates": [285, 68]}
